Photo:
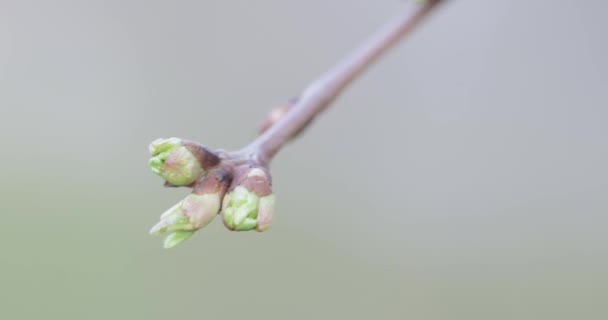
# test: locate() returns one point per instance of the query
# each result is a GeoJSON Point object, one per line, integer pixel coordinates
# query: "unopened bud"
{"type": "Point", "coordinates": [180, 162]}
{"type": "Point", "coordinates": [279, 113]}
{"type": "Point", "coordinates": [275, 115]}
{"type": "Point", "coordinates": [195, 211]}
{"type": "Point", "coordinates": [250, 204]}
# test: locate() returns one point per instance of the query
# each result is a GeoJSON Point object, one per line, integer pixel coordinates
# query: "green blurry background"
{"type": "Point", "coordinates": [463, 177]}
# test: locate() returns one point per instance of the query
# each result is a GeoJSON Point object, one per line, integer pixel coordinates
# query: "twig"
{"type": "Point", "coordinates": [319, 94]}
{"type": "Point", "coordinates": [238, 184]}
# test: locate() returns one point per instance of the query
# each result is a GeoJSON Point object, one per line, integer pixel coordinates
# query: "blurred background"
{"type": "Point", "coordinates": [463, 177]}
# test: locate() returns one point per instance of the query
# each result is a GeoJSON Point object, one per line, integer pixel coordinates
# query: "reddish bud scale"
{"type": "Point", "coordinates": [206, 158]}
{"type": "Point", "coordinates": [216, 181]}
{"type": "Point", "coordinates": [255, 179]}
{"type": "Point", "coordinates": [259, 185]}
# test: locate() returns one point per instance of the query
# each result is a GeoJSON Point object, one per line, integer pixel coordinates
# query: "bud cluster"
{"type": "Point", "coordinates": [243, 195]}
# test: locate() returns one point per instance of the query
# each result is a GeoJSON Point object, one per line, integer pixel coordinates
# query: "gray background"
{"type": "Point", "coordinates": [463, 177]}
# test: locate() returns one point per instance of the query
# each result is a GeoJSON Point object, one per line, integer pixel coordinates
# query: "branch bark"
{"type": "Point", "coordinates": [322, 92]}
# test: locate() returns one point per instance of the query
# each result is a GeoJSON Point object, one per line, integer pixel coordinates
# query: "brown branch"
{"type": "Point", "coordinates": [320, 93]}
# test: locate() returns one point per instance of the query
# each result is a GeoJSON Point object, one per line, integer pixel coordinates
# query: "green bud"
{"type": "Point", "coordinates": [240, 209]}
{"type": "Point", "coordinates": [174, 162]}
{"type": "Point", "coordinates": [249, 205]}
{"type": "Point", "coordinates": [173, 219]}
{"type": "Point", "coordinates": [186, 217]}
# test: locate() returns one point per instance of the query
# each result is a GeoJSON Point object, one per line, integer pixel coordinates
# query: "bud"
{"type": "Point", "coordinates": [250, 204]}
{"type": "Point", "coordinates": [180, 162]}
{"type": "Point", "coordinates": [275, 115]}
{"type": "Point", "coordinates": [279, 113]}
{"type": "Point", "coordinates": [195, 211]}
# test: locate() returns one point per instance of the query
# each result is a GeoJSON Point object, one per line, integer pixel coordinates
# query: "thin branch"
{"type": "Point", "coordinates": [238, 184]}
{"type": "Point", "coordinates": [319, 94]}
